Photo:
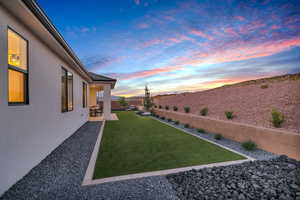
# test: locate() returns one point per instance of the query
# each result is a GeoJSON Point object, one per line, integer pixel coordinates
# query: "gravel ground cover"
{"type": "Point", "coordinates": [277, 178]}
{"type": "Point", "coordinates": [258, 154]}
{"type": "Point", "coordinates": [59, 176]}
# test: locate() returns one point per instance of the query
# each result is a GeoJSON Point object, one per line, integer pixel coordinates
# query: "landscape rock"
{"type": "Point", "coordinates": [277, 178]}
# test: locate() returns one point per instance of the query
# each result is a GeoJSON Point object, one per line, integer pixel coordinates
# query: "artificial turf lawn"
{"type": "Point", "coordinates": [136, 144]}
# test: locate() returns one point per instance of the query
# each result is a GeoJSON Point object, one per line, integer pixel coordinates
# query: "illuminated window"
{"type": "Point", "coordinates": [17, 69]}
{"type": "Point", "coordinates": [66, 91]}
{"type": "Point", "coordinates": [84, 94]}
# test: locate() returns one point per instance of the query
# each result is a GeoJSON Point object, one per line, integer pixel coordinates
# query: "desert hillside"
{"type": "Point", "coordinates": [251, 101]}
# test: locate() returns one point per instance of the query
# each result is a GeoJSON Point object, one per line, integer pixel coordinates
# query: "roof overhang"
{"type": "Point", "coordinates": [112, 83]}
{"type": "Point", "coordinates": [33, 17]}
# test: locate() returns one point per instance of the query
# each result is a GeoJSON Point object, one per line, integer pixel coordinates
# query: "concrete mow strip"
{"type": "Point", "coordinates": [88, 178]}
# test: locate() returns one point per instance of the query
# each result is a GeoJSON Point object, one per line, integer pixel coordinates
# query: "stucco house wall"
{"type": "Point", "coordinates": [30, 132]}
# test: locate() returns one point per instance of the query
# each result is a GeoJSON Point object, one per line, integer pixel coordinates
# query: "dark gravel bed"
{"type": "Point", "coordinates": [59, 176]}
{"type": "Point", "coordinates": [258, 154]}
{"type": "Point", "coordinates": [277, 178]}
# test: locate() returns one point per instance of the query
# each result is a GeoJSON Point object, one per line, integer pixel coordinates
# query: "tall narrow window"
{"type": "Point", "coordinates": [66, 91]}
{"type": "Point", "coordinates": [70, 91]}
{"type": "Point", "coordinates": [84, 94]}
{"type": "Point", "coordinates": [17, 68]}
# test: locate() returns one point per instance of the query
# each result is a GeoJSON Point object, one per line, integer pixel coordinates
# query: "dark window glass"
{"type": "Point", "coordinates": [64, 91]}
{"type": "Point", "coordinates": [84, 94]}
{"type": "Point", "coordinates": [70, 91]}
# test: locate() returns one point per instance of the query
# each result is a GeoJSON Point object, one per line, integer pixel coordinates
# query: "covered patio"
{"type": "Point", "coordinates": [100, 97]}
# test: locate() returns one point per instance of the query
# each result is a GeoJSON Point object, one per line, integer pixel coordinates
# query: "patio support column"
{"type": "Point", "coordinates": [107, 102]}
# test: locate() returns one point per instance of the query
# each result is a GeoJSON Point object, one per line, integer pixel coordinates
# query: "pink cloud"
{"type": "Point", "coordinates": [143, 26]}
{"type": "Point", "coordinates": [230, 31]}
{"type": "Point", "coordinates": [152, 42]}
{"type": "Point", "coordinates": [240, 18]}
{"type": "Point", "coordinates": [201, 34]}
{"type": "Point", "coordinates": [250, 27]}
{"type": "Point", "coordinates": [275, 27]}
{"type": "Point", "coordinates": [180, 38]}
{"type": "Point", "coordinates": [238, 51]}
{"type": "Point", "coordinates": [144, 73]}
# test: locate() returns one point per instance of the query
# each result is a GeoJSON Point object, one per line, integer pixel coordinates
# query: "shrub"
{"type": "Point", "coordinates": [169, 120]}
{"type": "Point", "coordinates": [229, 114]}
{"type": "Point", "coordinates": [186, 126]}
{"type": "Point", "coordinates": [167, 107]}
{"type": "Point", "coordinates": [177, 122]}
{"type": "Point", "coordinates": [157, 116]}
{"type": "Point", "coordinates": [187, 109]}
{"type": "Point", "coordinates": [155, 106]}
{"type": "Point", "coordinates": [204, 111]}
{"type": "Point", "coordinates": [264, 86]}
{"type": "Point", "coordinates": [249, 145]}
{"type": "Point", "coordinates": [277, 118]}
{"type": "Point", "coordinates": [175, 108]}
{"type": "Point", "coordinates": [163, 118]}
{"type": "Point", "coordinates": [218, 137]}
{"type": "Point", "coordinates": [159, 106]}
{"type": "Point", "coordinates": [200, 130]}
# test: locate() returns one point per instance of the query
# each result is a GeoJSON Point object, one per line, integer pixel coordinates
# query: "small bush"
{"type": "Point", "coordinates": [159, 106]}
{"type": "Point", "coordinates": [200, 130]}
{"type": "Point", "coordinates": [186, 126]}
{"type": "Point", "coordinates": [167, 107]}
{"type": "Point", "coordinates": [277, 118]}
{"type": "Point", "coordinates": [157, 116]}
{"type": "Point", "coordinates": [175, 108]}
{"type": "Point", "coordinates": [186, 109]}
{"type": "Point", "coordinates": [218, 137]}
{"type": "Point", "coordinates": [204, 111]}
{"type": "Point", "coordinates": [249, 145]}
{"type": "Point", "coordinates": [169, 120]}
{"type": "Point", "coordinates": [264, 86]}
{"type": "Point", "coordinates": [163, 118]}
{"type": "Point", "coordinates": [229, 114]}
{"type": "Point", "coordinates": [155, 106]}
{"type": "Point", "coordinates": [177, 122]}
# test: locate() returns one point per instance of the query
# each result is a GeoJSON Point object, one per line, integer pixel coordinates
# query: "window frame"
{"type": "Point", "coordinates": [84, 94]}
{"type": "Point", "coordinates": [66, 106]}
{"type": "Point", "coordinates": [17, 69]}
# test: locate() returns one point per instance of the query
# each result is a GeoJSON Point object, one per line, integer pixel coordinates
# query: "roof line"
{"type": "Point", "coordinates": [42, 17]}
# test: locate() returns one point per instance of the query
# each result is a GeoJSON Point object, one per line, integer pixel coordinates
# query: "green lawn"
{"type": "Point", "coordinates": [135, 144]}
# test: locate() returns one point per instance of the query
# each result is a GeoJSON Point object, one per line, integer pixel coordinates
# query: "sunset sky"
{"type": "Point", "coordinates": [180, 45]}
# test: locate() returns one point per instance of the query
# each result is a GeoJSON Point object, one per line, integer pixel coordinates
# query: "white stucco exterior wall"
{"type": "Point", "coordinates": [29, 133]}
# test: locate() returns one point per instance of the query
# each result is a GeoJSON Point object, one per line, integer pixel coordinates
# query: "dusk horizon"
{"type": "Point", "coordinates": [181, 46]}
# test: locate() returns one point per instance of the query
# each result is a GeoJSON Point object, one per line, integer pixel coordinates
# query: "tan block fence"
{"type": "Point", "coordinates": [272, 140]}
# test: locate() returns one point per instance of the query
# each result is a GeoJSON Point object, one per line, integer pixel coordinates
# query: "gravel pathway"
{"type": "Point", "coordinates": [277, 178]}
{"type": "Point", "coordinates": [258, 154]}
{"type": "Point", "coordinates": [59, 176]}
